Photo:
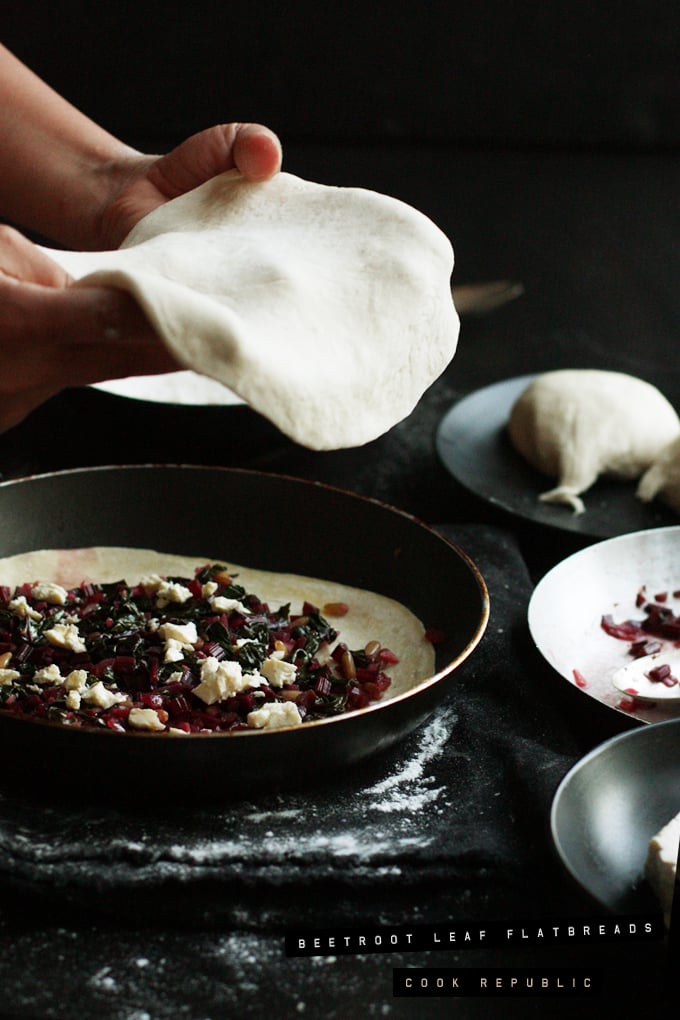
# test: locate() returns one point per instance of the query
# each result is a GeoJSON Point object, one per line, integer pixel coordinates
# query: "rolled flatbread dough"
{"type": "Point", "coordinates": [327, 309]}
{"type": "Point", "coordinates": [577, 424]}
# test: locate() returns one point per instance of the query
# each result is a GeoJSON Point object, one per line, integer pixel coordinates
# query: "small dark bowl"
{"type": "Point", "coordinates": [608, 807]}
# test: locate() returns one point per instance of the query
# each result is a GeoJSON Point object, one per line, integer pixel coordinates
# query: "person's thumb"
{"type": "Point", "coordinates": [251, 148]}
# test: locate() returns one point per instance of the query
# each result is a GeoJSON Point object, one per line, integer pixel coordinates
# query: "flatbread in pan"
{"type": "Point", "coordinates": [370, 616]}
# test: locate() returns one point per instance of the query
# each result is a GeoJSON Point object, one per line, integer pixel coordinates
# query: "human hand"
{"type": "Point", "coordinates": [55, 335]}
{"type": "Point", "coordinates": [139, 183]}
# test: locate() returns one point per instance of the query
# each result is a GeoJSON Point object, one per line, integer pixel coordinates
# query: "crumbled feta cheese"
{"type": "Point", "coordinates": [185, 633]}
{"type": "Point", "coordinates": [7, 676]}
{"type": "Point", "coordinates": [48, 675]}
{"type": "Point", "coordinates": [176, 732]}
{"type": "Point", "coordinates": [145, 719]}
{"type": "Point", "coordinates": [21, 608]}
{"type": "Point", "coordinates": [174, 650]}
{"type": "Point", "coordinates": [46, 591]}
{"type": "Point", "coordinates": [65, 635]}
{"type": "Point", "coordinates": [101, 696]}
{"type": "Point", "coordinates": [165, 591]}
{"type": "Point", "coordinates": [221, 604]}
{"type": "Point", "coordinates": [660, 865]}
{"type": "Point", "coordinates": [275, 714]}
{"type": "Point", "coordinates": [208, 589]}
{"type": "Point", "coordinates": [72, 700]}
{"type": "Point", "coordinates": [171, 591]}
{"type": "Point", "coordinates": [151, 583]}
{"type": "Point", "coordinates": [76, 680]}
{"type": "Point", "coordinates": [278, 672]}
{"type": "Point", "coordinates": [153, 625]}
{"type": "Point", "coordinates": [220, 680]}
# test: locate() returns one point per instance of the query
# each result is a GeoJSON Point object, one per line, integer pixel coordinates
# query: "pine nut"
{"type": "Point", "coordinates": [347, 665]}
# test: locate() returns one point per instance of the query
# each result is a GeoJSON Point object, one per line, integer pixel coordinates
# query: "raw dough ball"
{"type": "Point", "coordinates": [662, 479]}
{"type": "Point", "coordinates": [577, 424]}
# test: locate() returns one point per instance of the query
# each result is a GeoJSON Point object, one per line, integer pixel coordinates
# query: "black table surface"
{"type": "Point", "coordinates": [592, 236]}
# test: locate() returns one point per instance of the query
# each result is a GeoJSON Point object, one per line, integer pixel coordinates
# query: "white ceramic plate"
{"type": "Point", "coordinates": [567, 606]}
{"type": "Point", "coordinates": [184, 387]}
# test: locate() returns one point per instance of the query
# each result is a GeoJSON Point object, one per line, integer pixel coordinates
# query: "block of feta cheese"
{"type": "Point", "coordinates": [661, 864]}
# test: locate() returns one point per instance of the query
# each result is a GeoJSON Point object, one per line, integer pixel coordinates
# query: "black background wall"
{"type": "Point", "coordinates": [489, 72]}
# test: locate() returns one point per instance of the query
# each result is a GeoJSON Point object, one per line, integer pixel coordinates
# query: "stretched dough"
{"type": "Point", "coordinates": [327, 309]}
{"type": "Point", "coordinates": [577, 424]}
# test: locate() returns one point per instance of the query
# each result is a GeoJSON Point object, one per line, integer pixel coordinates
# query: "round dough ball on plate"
{"type": "Point", "coordinates": [577, 424]}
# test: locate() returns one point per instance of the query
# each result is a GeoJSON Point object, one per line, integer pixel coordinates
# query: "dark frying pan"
{"type": "Point", "coordinates": [266, 521]}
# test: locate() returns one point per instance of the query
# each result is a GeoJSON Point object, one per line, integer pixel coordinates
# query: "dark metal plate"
{"type": "Point", "coordinates": [474, 447]}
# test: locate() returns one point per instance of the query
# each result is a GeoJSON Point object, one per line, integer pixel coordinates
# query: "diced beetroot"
{"type": "Point", "coordinates": [178, 705]}
{"type": "Point", "coordinates": [214, 650]}
{"type": "Point", "coordinates": [115, 724]}
{"type": "Point", "coordinates": [641, 648]}
{"type": "Point", "coordinates": [579, 678]}
{"type": "Point", "coordinates": [659, 673]}
{"type": "Point", "coordinates": [185, 726]}
{"type": "Point", "coordinates": [306, 699]}
{"type": "Point", "coordinates": [388, 657]}
{"type": "Point", "coordinates": [629, 630]}
{"type": "Point", "coordinates": [372, 691]}
{"type": "Point", "coordinates": [356, 698]}
{"type": "Point", "coordinates": [323, 686]}
{"type": "Point", "coordinates": [151, 700]}
{"type": "Point", "coordinates": [383, 681]}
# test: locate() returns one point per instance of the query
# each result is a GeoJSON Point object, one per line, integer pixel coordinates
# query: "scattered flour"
{"type": "Point", "coordinates": [369, 829]}
{"type": "Point", "coordinates": [408, 789]}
